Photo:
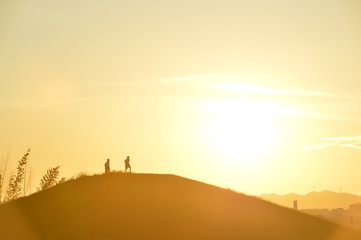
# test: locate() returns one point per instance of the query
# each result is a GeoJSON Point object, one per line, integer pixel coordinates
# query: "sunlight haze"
{"type": "Point", "coordinates": [258, 96]}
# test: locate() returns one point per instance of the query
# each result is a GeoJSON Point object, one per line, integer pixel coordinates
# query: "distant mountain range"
{"type": "Point", "coordinates": [324, 199]}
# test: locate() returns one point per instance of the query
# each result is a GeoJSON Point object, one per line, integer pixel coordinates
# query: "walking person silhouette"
{"type": "Point", "coordinates": [127, 165]}
{"type": "Point", "coordinates": [107, 166]}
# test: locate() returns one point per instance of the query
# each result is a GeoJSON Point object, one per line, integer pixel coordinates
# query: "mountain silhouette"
{"type": "Point", "coordinates": [324, 199]}
{"type": "Point", "coordinates": [150, 206]}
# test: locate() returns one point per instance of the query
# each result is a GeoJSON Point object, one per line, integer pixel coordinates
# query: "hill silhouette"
{"type": "Point", "coordinates": [324, 199]}
{"type": "Point", "coordinates": [149, 206]}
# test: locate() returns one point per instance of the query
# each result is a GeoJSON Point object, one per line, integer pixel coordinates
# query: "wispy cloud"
{"type": "Point", "coordinates": [240, 83]}
{"type": "Point", "coordinates": [234, 86]}
{"type": "Point", "coordinates": [310, 103]}
{"type": "Point", "coordinates": [225, 83]}
{"type": "Point", "coordinates": [27, 103]}
{"type": "Point", "coordinates": [353, 142]}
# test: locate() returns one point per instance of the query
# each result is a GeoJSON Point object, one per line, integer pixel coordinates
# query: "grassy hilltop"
{"type": "Point", "coordinates": [148, 206]}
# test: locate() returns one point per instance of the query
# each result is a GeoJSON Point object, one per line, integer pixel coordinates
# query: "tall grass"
{"type": "Point", "coordinates": [14, 189]}
{"type": "Point", "coordinates": [3, 171]}
{"type": "Point", "coordinates": [49, 179]}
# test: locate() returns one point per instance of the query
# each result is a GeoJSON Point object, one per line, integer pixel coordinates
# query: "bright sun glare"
{"type": "Point", "coordinates": [244, 132]}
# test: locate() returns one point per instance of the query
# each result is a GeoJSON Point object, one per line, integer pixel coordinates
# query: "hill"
{"type": "Point", "coordinates": [324, 199]}
{"type": "Point", "coordinates": [146, 206]}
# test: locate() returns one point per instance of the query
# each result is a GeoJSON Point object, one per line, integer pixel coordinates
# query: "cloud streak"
{"type": "Point", "coordinates": [237, 84]}
{"type": "Point", "coordinates": [231, 83]}
{"type": "Point", "coordinates": [241, 84]}
{"type": "Point", "coordinates": [353, 142]}
{"type": "Point", "coordinates": [27, 103]}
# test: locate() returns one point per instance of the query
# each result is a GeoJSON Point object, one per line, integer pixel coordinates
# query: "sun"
{"type": "Point", "coordinates": [244, 132]}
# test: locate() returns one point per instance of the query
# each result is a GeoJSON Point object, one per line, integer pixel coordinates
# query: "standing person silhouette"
{"type": "Point", "coordinates": [107, 166]}
{"type": "Point", "coordinates": [127, 165]}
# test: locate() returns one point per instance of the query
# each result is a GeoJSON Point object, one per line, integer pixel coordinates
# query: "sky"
{"type": "Point", "coordinates": [257, 96]}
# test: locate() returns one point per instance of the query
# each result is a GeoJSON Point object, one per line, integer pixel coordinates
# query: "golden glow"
{"type": "Point", "coordinates": [181, 87]}
{"type": "Point", "coordinates": [244, 133]}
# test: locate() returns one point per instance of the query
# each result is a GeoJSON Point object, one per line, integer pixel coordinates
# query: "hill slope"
{"type": "Point", "coordinates": [145, 206]}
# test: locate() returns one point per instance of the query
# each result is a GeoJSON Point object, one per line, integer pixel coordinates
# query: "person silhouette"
{"type": "Point", "coordinates": [107, 166]}
{"type": "Point", "coordinates": [127, 165]}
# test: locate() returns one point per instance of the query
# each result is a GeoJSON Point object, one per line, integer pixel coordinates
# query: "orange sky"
{"type": "Point", "coordinates": [259, 96]}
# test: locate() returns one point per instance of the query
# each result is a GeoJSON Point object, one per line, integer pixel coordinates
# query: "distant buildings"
{"type": "Point", "coordinates": [350, 217]}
